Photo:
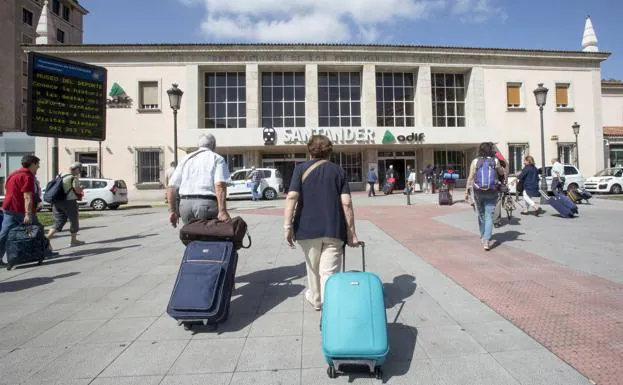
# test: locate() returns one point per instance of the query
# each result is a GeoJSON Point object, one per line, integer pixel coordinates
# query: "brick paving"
{"type": "Point", "coordinates": [577, 316]}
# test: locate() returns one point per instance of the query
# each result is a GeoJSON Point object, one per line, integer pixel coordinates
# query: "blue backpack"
{"type": "Point", "coordinates": [54, 190]}
{"type": "Point", "coordinates": [486, 175]}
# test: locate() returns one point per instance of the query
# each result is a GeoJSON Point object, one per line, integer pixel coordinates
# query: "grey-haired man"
{"type": "Point", "coordinates": [201, 182]}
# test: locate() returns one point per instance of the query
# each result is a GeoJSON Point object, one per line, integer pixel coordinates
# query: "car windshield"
{"type": "Point", "coordinates": [610, 172]}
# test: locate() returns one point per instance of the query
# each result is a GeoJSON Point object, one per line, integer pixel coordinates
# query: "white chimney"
{"type": "Point", "coordinates": [589, 40]}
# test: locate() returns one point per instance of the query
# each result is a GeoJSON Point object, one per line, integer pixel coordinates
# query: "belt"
{"type": "Point", "coordinates": [209, 197]}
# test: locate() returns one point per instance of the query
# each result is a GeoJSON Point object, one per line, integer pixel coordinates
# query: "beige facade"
{"type": "Point", "coordinates": [18, 22]}
{"type": "Point", "coordinates": [612, 99]}
{"type": "Point", "coordinates": [365, 97]}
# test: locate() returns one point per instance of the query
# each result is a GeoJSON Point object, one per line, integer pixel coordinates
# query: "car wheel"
{"type": "Point", "coordinates": [270, 194]}
{"type": "Point", "coordinates": [572, 187]}
{"type": "Point", "coordinates": [616, 189]}
{"type": "Point", "coordinates": [113, 207]}
{"type": "Point", "coordinates": [98, 204]}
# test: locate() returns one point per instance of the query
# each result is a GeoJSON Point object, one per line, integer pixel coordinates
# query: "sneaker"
{"type": "Point", "coordinates": [76, 243]}
{"type": "Point", "coordinates": [486, 245]}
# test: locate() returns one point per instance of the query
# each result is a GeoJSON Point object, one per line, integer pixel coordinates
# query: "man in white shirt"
{"type": "Point", "coordinates": [201, 181]}
{"type": "Point", "coordinates": [167, 177]}
{"type": "Point", "coordinates": [558, 176]}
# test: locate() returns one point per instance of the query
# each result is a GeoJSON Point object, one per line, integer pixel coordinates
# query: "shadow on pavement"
{"type": "Point", "coordinates": [98, 251]}
{"type": "Point", "coordinates": [29, 283]}
{"type": "Point", "coordinates": [507, 236]}
{"type": "Point", "coordinates": [122, 239]}
{"type": "Point", "coordinates": [401, 288]}
{"type": "Point", "coordinates": [251, 306]}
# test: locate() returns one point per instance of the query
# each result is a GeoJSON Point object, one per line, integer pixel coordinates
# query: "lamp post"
{"type": "Point", "coordinates": [175, 99]}
{"type": "Point", "coordinates": [576, 131]}
{"type": "Point", "coordinates": [540, 95]}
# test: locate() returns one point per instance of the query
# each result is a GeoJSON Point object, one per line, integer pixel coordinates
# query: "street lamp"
{"type": "Point", "coordinates": [576, 131]}
{"type": "Point", "coordinates": [175, 100]}
{"type": "Point", "coordinates": [540, 95]}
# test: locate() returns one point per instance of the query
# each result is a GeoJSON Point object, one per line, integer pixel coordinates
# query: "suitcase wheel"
{"type": "Point", "coordinates": [331, 371]}
{"type": "Point", "coordinates": [378, 372]}
{"type": "Point", "coordinates": [188, 326]}
{"type": "Point", "coordinates": [9, 267]}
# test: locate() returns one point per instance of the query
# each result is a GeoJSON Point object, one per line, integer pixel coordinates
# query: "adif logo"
{"type": "Point", "coordinates": [270, 136]}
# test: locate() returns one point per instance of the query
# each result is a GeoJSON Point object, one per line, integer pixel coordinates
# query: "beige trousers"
{"type": "Point", "coordinates": [323, 257]}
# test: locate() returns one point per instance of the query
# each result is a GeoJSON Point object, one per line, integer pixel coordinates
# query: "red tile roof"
{"type": "Point", "coordinates": [613, 131]}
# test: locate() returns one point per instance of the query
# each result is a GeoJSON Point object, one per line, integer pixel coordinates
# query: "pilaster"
{"type": "Point", "coordinates": [311, 95]}
{"type": "Point", "coordinates": [423, 98]}
{"type": "Point", "coordinates": [253, 95]}
{"type": "Point", "coordinates": [368, 96]}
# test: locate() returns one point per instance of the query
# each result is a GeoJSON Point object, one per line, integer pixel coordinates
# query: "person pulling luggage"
{"type": "Point", "coordinates": [529, 179]}
{"type": "Point", "coordinates": [201, 179]}
{"type": "Point", "coordinates": [319, 216]}
{"type": "Point", "coordinates": [558, 176]}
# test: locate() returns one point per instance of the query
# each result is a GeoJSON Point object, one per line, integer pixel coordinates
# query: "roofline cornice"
{"type": "Point", "coordinates": [131, 49]}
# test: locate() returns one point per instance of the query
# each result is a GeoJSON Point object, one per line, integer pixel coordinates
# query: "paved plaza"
{"type": "Point", "coordinates": [545, 306]}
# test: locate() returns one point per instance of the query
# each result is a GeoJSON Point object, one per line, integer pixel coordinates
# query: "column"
{"type": "Point", "coordinates": [423, 98]}
{"type": "Point", "coordinates": [311, 95]}
{"type": "Point", "coordinates": [253, 94]}
{"type": "Point", "coordinates": [195, 116]}
{"type": "Point", "coordinates": [368, 96]}
{"type": "Point", "coordinates": [475, 98]}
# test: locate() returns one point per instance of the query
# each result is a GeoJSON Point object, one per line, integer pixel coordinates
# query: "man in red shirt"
{"type": "Point", "coordinates": [20, 199]}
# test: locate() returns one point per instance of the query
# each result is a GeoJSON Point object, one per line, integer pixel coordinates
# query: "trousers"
{"type": "Point", "coordinates": [197, 209]}
{"type": "Point", "coordinates": [323, 257]}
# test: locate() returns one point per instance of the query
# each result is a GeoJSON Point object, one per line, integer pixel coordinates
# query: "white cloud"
{"type": "Point", "coordinates": [324, 20]}
{"type": "Point", "coordinates": [478, 11]}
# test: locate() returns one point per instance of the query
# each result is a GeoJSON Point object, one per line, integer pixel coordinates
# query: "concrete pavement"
{"type": "Point", "coordinates": [96, 315]}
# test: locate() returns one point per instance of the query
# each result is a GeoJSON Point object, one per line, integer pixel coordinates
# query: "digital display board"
{"type": "Point", "coordinates": [66, 99]}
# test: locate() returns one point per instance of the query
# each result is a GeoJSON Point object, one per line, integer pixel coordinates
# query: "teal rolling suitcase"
{"type": "Point", "coordinates": [353, 321]}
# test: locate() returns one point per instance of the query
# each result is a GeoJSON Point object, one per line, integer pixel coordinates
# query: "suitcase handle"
{"type": "Point", "coordinates": [362, 244]}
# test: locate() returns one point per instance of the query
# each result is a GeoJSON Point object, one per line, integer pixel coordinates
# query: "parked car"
{"type": "Point", "coordinates": [609, 180]}
{"type": "Point", "coordinates": [573, 178]}
{"type": "Point", "coordinates": [100, 194]}
{"type": "Point", "coordinates": [239, 185]}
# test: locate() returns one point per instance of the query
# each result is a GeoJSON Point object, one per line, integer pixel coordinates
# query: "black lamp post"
{"type": "Point", "coordinates": [576, 131]}
{"type": "Point", "coordinates": [541, 98]}
{"type": "Point", "coordinates": [175, 99]}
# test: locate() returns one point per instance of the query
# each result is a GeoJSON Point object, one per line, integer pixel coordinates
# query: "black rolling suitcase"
{"type": "Point", "coordinates": [445, 197]}
{"type": "Point", "coordinates": [204, 284]}
{"type": "Point", "coordinates": [25, 244]}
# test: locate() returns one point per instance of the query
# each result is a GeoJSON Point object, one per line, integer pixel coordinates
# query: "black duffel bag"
{"type": "Point", "coordinates": [234, 230]}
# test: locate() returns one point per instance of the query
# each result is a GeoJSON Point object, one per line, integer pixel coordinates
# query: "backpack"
{"type": "Point", "coordinates": [486, 175]}
{"type": "Point", "coordinates": [54, 190]}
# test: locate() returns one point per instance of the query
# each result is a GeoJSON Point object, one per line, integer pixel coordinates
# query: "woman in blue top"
{"type": "Point", "coordinates": [529, 176]}
{"type": "Point", "coordinates": [319, 216]}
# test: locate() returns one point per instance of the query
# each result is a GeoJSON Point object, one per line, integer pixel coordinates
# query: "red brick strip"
{"type": "Point", "coordinates": [578, 316]}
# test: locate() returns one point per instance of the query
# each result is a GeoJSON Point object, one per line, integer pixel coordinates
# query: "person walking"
{"type": "Point", "coordinates": [558, 176]}
{"type": "Point", "coordinates": [483, 182]}
{"type": "Point", "coordinates": [256, 179]}
{"type": "Point", "coordinates": [67, 209]}
{"type": "Point", "coordinates": [410, 181]}
{"type": "Point", "coordinates": [372, 178]}
{"type": "Point", "coordinates": [429, 174]}
{"type": "Point", "coordinates": [201, 182]}
{"type": "Point", "coordinates": [167, 177]}
{"type": "Point", "coordinates": [503, 179]}
{"type": "Point", "coordinates": [529, 177]}
{"type": "Point", "coordinates": [319, 216]}
{"type": "Point", "coordinates": [21, 197]}
{"type": "Point", "coordinates": [391, 177]}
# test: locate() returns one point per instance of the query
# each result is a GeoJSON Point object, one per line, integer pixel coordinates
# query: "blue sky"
{"type": "Point", "coordinates": [544, 24]}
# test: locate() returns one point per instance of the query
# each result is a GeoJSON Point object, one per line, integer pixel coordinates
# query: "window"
{"type": "Point", "coordinates": [566, 153]}
{"type": "Point", "coordinates": [86, 157]}
{"type": "Point", "coordinates": [451, 159]}
{"type": "Point", "coordinates": [25, 67]}
{"type": "Point", "coordinates": [513, 95]}
{"type": "Point", "coordinates": [516, 154]}
{"type": "Point", "coordinates": [27, 16]}
{"type": "Point", "coordinates": [149, 95]}
{"type": "Point", "coordinates": [225, 100]}
{"type": "Point", "coordinates": [60, 36]}
{"type": "Point", "coordinates": [238, 176]}
{"type": "Point", "coordinates": [234, 162]}
{"type": "Point", "coordinates": [570, 170]}
{"type": "Point", "coordinates": [99, 184]}
{"type": "Point", "coordinates": [394, 100]}
{"type": "Point", "coordinates": [339, 99]}
{"type": "Point", "coordinates": [352, 164]}
{"type": "Point", "coordinates": [148, 166]}
{"type": "Point", "coordinates": [448, 100]}
{"type": "Point", "coordinates": [562, 96]}
{"type": "Point", "coordinates": [283, 99]}
{"type": "Point", "coordinates": [66, 13]}
{"type": "Point", "coordinates": [86, 184]}
{"type": "Point", "coordinates": [56, 6]}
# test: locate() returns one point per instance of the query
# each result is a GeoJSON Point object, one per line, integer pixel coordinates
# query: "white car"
{"type": "Point", "coordinates": [101, 193]}
{"type": "Point", "coordinates": [573, 179]}
{"type": "Point", "coordinates": [239, 185]}
{"type": "Point", "coordinates": [609, 180]}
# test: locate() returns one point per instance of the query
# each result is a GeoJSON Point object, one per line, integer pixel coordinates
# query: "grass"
{"type": "Point", "coordinates": [47, 219]}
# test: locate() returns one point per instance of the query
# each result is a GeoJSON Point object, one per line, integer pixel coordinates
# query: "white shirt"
{"type": "Point", "coordinates": [411, 177]}
{"type": "Point", "coordinates": [558, 168]}
{"type": "Point", "coordinates": [168, 175]}
{"type": "Point", "coordinates": [198, 174]}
